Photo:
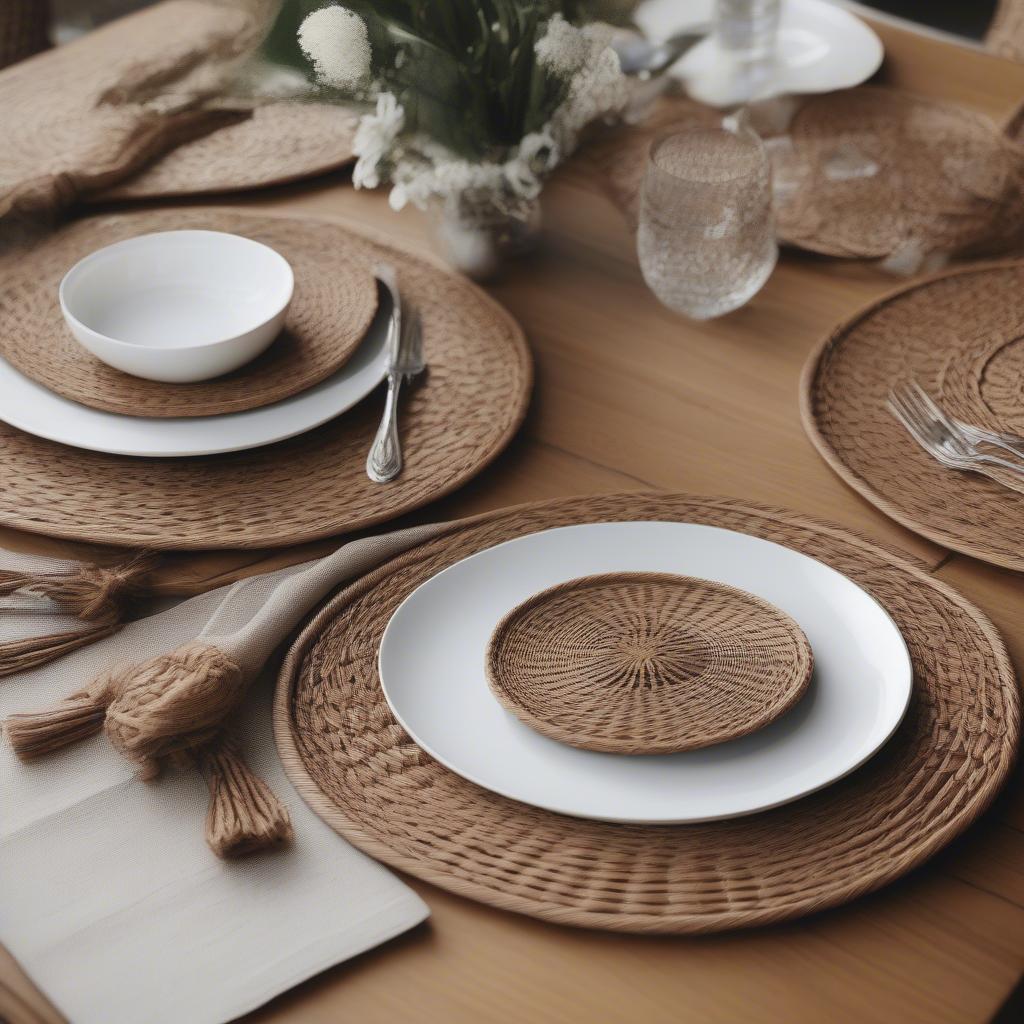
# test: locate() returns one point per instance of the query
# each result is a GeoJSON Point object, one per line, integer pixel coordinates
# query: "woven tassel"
{"type": "Point", "coordinates": [78, 717]}
{"type": "Point", "coordinates": [96, 595]}
{"type": "Point", "coordinates": [170, 709]}
{"type": "Point", "coordinates": [244, 815]}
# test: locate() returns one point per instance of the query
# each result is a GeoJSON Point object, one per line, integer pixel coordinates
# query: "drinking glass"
{"type": "Point", "coordinates": [706, 238]}
{"type": "Point", "coordinates": [746, 29]}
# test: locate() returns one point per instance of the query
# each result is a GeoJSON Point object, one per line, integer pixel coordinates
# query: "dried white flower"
{"type": "Point", "coordinates": [563, 48]}
{"type": "Point", "coordinates": [336, 42]}
{"type": "Point", "coordinates": [596, 90]}
{"type": "Point", "coordinates": [374, 139]}
{"type": "Point", "coordinates": [540, 151]}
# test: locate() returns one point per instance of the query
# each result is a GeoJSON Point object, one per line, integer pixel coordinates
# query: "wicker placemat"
{"type": "Point", "coordinates": [357, 768]}
{"type": "Point", "coordinates": [868, 172]}
{"type": "Point", "coordinates": [455, 423]}
{"type": "Point", "coordinates": [960, 335]}
{"type": "Point", "coordinates": [647, 663]}
{"type": "Point", "coordinates": [279, 143]}
{"type": "Point", "coordinates": [334, 303]}
{"type": "Point", "coordinates": [69, 128]}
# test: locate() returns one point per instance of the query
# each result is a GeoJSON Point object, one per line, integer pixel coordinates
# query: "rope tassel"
{"type": "Point", "coordinates": [244, 815]}
{"type": "Point", "coordinates": [96, 595]}
{"type": "Point", "coordinates": [170, 710]}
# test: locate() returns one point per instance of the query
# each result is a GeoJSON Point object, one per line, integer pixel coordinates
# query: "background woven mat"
{"type": "Point", "coordinates": [961, 336]}
{"type": "Point", "coordinates": [647, 663]}
{"type": "Point", "coordinates": [868, 171]}
{"type": "Point", "coordinates": [454, 424]}
{"type": "Point", "coordinates": [90, 118]}
{"type": "Point", "coordinates": [279, 143]}
{"type": "Point", "coordinates": [335, 300]}
{"type": "Point", "coordinates": [357, 768]}
{"type": "Point", "coordinates": [862, 173]}
{"type": "Point", "coordinates": [68, 127]}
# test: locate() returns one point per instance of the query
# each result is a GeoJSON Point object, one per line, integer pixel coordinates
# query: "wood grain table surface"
{"type": "Point", "coordinates": [631, 396]}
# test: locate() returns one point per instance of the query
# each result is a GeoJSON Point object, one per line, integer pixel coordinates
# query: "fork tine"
{"type": "Point", "coordinates": [912, 421]}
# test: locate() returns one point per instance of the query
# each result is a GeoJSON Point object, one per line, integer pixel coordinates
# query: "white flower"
{"type": "Point", "coordinates": [596, 90]}
{"type": "Point", "coordinates": [521, 179]}
{"type": "Point", "coordinates": [335, 41]}
{"type": "Point", "coordinates": [375, 138]}
{"type": "Point", "coordinates": [563, 48]}
{"type": "Point", "coordinates": [540, 151]}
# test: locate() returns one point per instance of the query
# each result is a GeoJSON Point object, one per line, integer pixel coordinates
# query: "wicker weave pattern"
{"type": "Point", "coordinates": [647, 663]}
{"type": "Point", "coordinates": [96, 113]}
{"type": "Point", "coordinates": [66, 128]}
{"type": "Point", "coordinates": [280, 143]}
{"type": "Point", "coordinates": [454, 424]}
{"type": "Point", "coordinates": [870, 171]}
{"type": "Point", "coordinates": [335, 299]}
{"type": "Point", "coordinates": [356, 767]}
{"type": "Point", "coordinates": [959, 334]}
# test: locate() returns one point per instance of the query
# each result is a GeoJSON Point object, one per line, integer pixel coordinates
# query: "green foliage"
{"type": "Point", "coordinates": [464, 70]}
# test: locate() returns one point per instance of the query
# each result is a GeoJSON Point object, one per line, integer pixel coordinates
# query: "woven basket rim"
{"type": "Point", "coordinates": [978, 800]}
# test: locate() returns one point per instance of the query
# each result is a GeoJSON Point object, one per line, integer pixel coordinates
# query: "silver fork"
{"type": "Point", "coordinates": [384, 461]}
{"type": "Point", "coordinates": [1010, 443]}
{"type": "Point", "coordinates": [943, 441]}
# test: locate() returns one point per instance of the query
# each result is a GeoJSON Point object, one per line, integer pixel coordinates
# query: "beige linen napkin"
{"type": "Point", "coordinates": [173, 706]}
{"type": "Point", "coordinates": [108, 896]}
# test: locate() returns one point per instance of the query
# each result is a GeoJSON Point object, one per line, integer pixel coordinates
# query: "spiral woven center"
{"type": "Point", "coordinates": [647, 663]}
{"type": "Point", "coordinates": [659, 656]}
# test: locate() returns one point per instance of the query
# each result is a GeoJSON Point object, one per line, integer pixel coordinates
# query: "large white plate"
{"type": "Point", "coordinates": [821, 47]}
{"type": "Point", "coordinates": [37, 410]}
{"type": "Point", "coordinates": [432, 672]}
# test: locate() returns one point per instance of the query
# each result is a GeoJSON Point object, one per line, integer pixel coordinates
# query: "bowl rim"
{"type": "Point", "coordinates": [288, 281]}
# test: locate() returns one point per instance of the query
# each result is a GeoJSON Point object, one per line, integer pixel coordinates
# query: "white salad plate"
{"type": "Point", "coordinates": [37, 410]}
{"type": "Point", "coordinates": [821, 47]}
{"type": "Point", "coordinates": [432, 673]}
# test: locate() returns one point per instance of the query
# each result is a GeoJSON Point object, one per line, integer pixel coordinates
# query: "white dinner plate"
{"type": "Point", "coordinates": [821, 47]}
{"type": "Point", "coordinates": [37, 410]}
{"type": "Point", "coordinates": [432, 673]}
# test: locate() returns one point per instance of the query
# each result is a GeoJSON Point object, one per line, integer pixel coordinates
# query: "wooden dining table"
{"type": "Point", "coordinates": [631, 396]}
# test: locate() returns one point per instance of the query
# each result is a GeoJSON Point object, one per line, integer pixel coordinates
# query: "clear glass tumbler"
{"type": "Point", "coordinates": [747, 29]}
{"type": "Point", "coordinates": [706, 238]}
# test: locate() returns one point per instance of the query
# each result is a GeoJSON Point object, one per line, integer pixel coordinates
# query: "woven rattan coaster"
{"type": "Point", "coordinates": [454, 423]}
{"type": "Point", "coordinates": [647, 663]}
{"type": "Point", "coordinates": [279, 143]}
{"type": "Point", "coordinates": [335, 299]}
{"type": "Point", "coordinates": [871, 172]}
{"type": "Point", "coordinates": [357, 768]}
{"type": "Point", "coordinates": [960, 335]}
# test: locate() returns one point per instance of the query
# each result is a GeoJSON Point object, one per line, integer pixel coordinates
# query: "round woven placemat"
{"type": "Point", "coordinates": [334, 303]}
{"type": "Point", "coordinates": [356, 767]}
{"type": "Point", "coordinates": [277, 144]}
{"type": "Point", "coordinates": [468, 406]}
{"type": "Point", "coordinates": [960, 335]}
{"type": "Point", "coordinates": [647, 663]}
{"type": "Point", "coordinates": [868, 172]}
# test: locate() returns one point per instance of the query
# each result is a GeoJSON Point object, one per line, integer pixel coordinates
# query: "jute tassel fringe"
{"type": "Point", "coordinates": [97, 596]}
{"type": "Point", "coordinates": [170, 710]}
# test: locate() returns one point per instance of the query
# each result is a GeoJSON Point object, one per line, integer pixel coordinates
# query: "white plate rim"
{"type": "Point", "coordinates": [40, 409]}
{"type": "Point", "coordinates": [820, 10]}
{"type": "Point", "coordinates": [883, 739]}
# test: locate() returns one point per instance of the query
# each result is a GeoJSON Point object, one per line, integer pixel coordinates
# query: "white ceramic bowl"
{"type": "Point", "coordinates": [178, 306]}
